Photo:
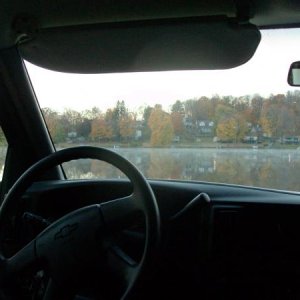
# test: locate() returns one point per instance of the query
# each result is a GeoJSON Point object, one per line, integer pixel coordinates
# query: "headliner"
{"type": "Point", "coordinates": [24, 21]}
{"type": "Point", "coordinates": [49, 14]}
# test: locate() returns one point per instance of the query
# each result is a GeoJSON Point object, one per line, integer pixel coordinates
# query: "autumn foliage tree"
{"type": "Point", "coordinates": [161, 127]}
{"type": "Point", "coordinates": [100, 129]}
{"type": "Point", "coordinates": [226, 130]}
{"type": "Point", "coordinates": [127, 126]}
{"type": "Point", "coordinates": [200, 109]}
{"type": "Point", "coordinates": [231, 125]}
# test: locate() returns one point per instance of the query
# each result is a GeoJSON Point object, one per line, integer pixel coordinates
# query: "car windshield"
{"type": "Point", "coordinates": [238, 126]}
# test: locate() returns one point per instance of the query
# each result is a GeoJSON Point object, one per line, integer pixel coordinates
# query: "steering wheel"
{"type": "Point", "coordinates": [81, 241]}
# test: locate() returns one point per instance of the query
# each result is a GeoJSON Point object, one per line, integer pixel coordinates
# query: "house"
{"type": "Point", "coordinates": [204, 127]}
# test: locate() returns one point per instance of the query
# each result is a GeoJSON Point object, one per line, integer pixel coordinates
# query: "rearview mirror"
{"type": "Point", "coordinates": [294, 74]}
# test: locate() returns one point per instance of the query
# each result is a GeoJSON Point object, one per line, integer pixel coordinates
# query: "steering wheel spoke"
{"type": "Point", "coordinates": [122, 270]}
{"type": "Point", "coordinates": [22, 260]}
{"type": "Point", "coordinates": [120, 213]}
{"type": "Point", "coordinates": [55, 291]}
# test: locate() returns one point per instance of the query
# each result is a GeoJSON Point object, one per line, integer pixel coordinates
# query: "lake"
{"type": "Point", "coordinates": [278, 169]}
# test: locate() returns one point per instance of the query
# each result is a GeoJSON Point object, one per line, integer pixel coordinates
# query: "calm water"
{"type": "Point", "coordinates": [279, 169]}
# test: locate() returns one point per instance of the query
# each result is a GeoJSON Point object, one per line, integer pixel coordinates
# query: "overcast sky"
{"type": "Point", "coordinates": [265, 73]}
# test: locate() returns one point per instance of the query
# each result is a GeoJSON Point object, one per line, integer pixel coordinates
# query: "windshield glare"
{"type": "Point", "coordinates": [238, 126]}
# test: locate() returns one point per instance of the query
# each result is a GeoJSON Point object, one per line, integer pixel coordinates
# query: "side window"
{"type": "Point", "coordinates": [3, 150]}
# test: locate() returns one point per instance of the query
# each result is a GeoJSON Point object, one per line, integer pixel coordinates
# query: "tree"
{"type": "Point", "coordinates": [269, 118]}
{"type": "Point", "coordinates": [84, 127]}
{"type": "Point", "coordinates": [177, 122]}
{"type": "Point", "coordinates": [55, 125]}
{"type": "Point", "coordinates": [199, 109]}
{"type": "Point", "coordinates": [178, 107]}
{"type": "Point", "coordinates": [232, 129]}
{"type": "Point", "coordinates": [59, 134]}
{"type": "Point", "coordinates": [72, 119]}
{"type": "Point", "coordinates": [127, 126]}
{"type": "Point", "coordinates": [118, 112]}
{"type": "Point", "coordinates": [256, 108]}
{"type": "Point", "coordinates": [91, 114]}
{"type": "Point", "coordinates": [51, 118]}
{"type": "Point", "coordinates": [242, 127]}
{"type": "Point", "coordinates": [224, 112]}
{"type": "Point", "coordinates": [146, 130]}
{"type": "Point", "coordinates": [226, 130]}
{"type": "Point", "coordinates": [286, 122]}
{"type": "Point", "coordinates": [161, 127]}
{"type": "Point", "coordinates": [100, 130]}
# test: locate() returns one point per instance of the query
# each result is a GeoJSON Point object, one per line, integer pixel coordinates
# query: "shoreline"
{"type": "Point", "coordinates": [185, 146]}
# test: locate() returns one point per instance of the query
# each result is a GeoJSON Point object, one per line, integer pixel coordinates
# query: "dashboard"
{"type": "Point", "coordinates": [218, 241]}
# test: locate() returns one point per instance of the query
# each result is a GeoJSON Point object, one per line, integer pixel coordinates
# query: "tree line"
{"type": "Point", "coordinates": [230, 119]}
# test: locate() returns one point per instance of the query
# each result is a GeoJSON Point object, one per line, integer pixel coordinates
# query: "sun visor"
{"type": "Point", "coordinates": [143, 46]}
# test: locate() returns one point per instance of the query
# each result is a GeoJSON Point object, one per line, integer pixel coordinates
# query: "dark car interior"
{"type": "Point", "coordinates": [135, 238]}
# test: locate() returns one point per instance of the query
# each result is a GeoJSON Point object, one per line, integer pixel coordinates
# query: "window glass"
{"type": "Point", "coordinates": [3, 151]}
{"type": "Point", "coordinates": [239, 126]}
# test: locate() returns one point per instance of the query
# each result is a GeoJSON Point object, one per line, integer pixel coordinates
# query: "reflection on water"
{"type": "Point", "coordinates": [277, 169]}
